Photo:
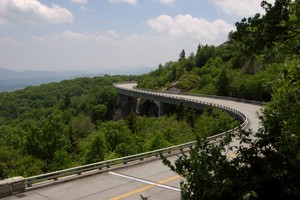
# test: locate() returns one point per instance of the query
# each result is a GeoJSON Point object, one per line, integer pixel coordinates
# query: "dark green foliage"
{"type": "Point", "coordinates": [81, 126]}
{"type": "Point", "coordinates": [97, 149]}
{"type": "Point", "coordinates": [204, 53]}
{"type": "Point", "coordinates": [206, 173]}
{"type": "Point", "coordinates": [182, 55]}
{"type": "Point", "coordinates": [46, 140]}
{"type": "Point", "coordinates": [116, 133]}
{"type": "Point", "coordinates": [41, 128]}
{"type": "Point", "coordinates": [188, 81]}
{"type": "Point", "coordinates": [238, 67]}
{"type": "Point", "coordinates": [158, 142]}
{"type": "Point", "coordinates": [281, 131]}
{"type": "Point", "coordinates": [132, 122]}
{"type": "Point", "coordinates": [15, 163]}
{"type": "Point", "coordinates": [217, 76]}
{"type": "Point", "coordinates": [74, 129]}
{"type": "Point", "coordinates": [188, 115]}
{"type": "Point", "coordinates": [277, 29]}
{"type": "Point", "coordinates": [67, 101]}
{"type": "Point", "coordinates": [264, 167]}
{"type": "Point", "coordinates": [222, 85]}
{"type": "Point", "coordinates": [212, 122]}
{"type": "Point", "coordinates": [264, 60]}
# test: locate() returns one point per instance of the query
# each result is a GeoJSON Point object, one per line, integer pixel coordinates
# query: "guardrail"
{"type": "Point", "coordinates": [123, 161]}
{"type": "Point", "coordinates": [20, 184]}
{"type": "Point", "coordinates": [199, 95]}
{"type": "Point", "coordinates": [243, 117]}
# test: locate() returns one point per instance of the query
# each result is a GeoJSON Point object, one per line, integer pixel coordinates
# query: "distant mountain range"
{"type": "Point", "coordinates": [6, 74]}
{"type": "Point", "coordinates": [12, 80]}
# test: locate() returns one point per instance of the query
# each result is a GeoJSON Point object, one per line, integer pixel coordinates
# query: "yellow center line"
{"type": "Point", "coordinates": [231, 155]}
{"type": "Point", "coordinates": [145, 188]}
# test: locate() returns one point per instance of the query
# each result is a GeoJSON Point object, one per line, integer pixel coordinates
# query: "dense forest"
{"type": "Point", "coordinates": [59, 125]}
{"type": "Point", "coordinates": [74, 122]}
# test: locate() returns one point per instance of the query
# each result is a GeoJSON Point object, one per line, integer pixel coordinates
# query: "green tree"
{"type": "Point", "coordinates": [157, 142]}
{"type": "Point", "coordinates": [115, 133]}
{"type": "Point", "coordinates": [280, 136]}
{"type": "Point", "coordinates": [278, 27]}
{"type": "Point", "coordinates": [82, 126]}
{"type": "Point", "coordinates": [188, 81]}
{"type": "Point", "coordinates": [42, 142]}
{"type": "Point", "coordinates": [97, 150]}
{"type": "Point", "coordinates": [132, 122]}
{"type": "Point", "coordinates": [67, 101]}
{"type": "Point", "coordinates": [204, 53]}
{"type": "Point", "coordinates": [182, 55]}
{"type": "Point", "coordinates": [206, 172]}
{"type": "Point", "coordinates": [14, 163]}
{"type": "Point", "coordinates": [212, 122]}
{"type": "Point", "coordinates": [222, 85]}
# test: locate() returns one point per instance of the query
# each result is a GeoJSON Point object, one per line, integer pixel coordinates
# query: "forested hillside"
{"type": "Point", "coordinates": [245, 66]}
{"type": "Point", "coordinates": [41, 127]}
{"type": "Point", "coordinates": [217, 71]}
{"type": "Point", "coordinates": [59, 125]}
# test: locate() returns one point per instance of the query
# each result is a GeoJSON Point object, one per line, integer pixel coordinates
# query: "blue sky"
{"type": "Point", "coordinates": [94, 35]}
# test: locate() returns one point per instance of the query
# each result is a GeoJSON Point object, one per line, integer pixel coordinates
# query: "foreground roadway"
{"type": "Point", "coordinates": [150, 179]}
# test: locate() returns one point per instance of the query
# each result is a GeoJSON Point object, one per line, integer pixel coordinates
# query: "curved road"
{"type": "Point", "coordinates": [149, 179]}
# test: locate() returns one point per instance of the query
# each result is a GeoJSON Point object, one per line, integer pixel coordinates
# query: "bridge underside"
{"type": "Point", "coordinates": [153, 105]}
{"type": "Point", "coordinates": [143, 107]}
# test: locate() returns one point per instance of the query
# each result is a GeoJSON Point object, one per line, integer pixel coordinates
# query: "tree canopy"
{"type": "Point", "coordinates": [266, 164]}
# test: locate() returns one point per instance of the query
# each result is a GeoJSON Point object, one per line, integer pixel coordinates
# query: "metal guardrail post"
{"type": "Point", "coordinates": [108, 164]}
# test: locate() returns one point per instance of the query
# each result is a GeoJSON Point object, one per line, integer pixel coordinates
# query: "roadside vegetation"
{"type": "Point", "coordinates": [266, 63]}
{"type": "Point", "coordinates": [60, 125]}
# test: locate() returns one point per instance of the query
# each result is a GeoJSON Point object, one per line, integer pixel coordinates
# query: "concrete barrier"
{"type": "Point", "coordinates": [12, 186]}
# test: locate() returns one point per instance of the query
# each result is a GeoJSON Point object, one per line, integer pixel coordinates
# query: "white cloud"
{"type": "Point", "coordinates": [3, 21]}
{"type": "Point", "coordinates": [193, 28]}
{"type": "Point", "coordinates": [132, 2]}
{"type": "Point", "coordinates": [9, 42]}
{"type": "Point", "coordinates": [110, 49]}
{"type": "Point", "coordinates": [108, 36]}
{"type": "Point", "coordinates": [32, 11]}
{"type": "Point", "coordinates": [80, 1]}
{"type": "Point", "coordinates": [135, 2]}
{"type": "Point", "coordinates": [167, 2]}
{"type": "Point", "coordinates": [240, 8]}
{"type": "Point", "coordinates": [74, 36]}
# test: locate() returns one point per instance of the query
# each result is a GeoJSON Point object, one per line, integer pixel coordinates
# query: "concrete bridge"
{"type": "Point", "coordinates": [241, 109]}
{"type": "Point", "coordinates": [131, 176]}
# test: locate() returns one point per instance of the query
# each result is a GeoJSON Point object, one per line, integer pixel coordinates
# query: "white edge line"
{"type": "Point", "coordinates": [144, 181]}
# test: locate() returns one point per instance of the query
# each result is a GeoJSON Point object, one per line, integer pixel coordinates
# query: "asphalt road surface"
{"type": "Point", "coordinates": [150, 179]}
